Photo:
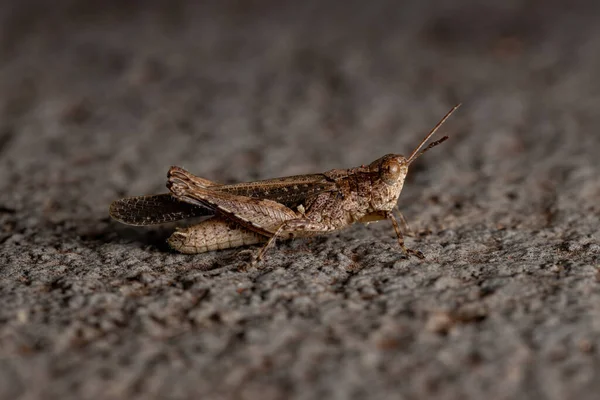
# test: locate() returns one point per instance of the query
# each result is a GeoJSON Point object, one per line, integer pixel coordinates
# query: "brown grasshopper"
{"type": "Point", "coordinates": [262, 211]}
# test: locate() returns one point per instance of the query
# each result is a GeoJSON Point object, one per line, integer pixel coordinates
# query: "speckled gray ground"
{"type": "Point", "coordinates": [97, 101]}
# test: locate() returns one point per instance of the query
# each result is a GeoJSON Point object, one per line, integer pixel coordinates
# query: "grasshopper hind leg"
{"type": "Point", "coordinates": [213, 234]}
{"type": "Point", "coordinates": [300, 227]}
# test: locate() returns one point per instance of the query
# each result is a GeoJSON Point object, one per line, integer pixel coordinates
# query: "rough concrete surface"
{"type": "Point", "coordinates": [98, 99]}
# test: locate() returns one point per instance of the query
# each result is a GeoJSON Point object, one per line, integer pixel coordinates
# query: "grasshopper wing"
{"type": "Point", "coordinates": [290, 191]}
{"type": "Point", "coordinates": [154, 209]}
{"type": "Point", "coordinates": [162, 208]}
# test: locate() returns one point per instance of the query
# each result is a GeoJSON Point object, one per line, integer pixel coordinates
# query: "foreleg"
{"type": "Point", "coordinates": [406, 250]}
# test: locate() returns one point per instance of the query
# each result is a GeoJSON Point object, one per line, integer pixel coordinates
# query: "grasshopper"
{"type": "Point", "coordinates": [262, 211]}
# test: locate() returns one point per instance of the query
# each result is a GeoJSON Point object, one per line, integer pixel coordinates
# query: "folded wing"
{"type": "Point", "coordinates": [154, 209]}
{"type": "Point", "coordinates": [290, 191]}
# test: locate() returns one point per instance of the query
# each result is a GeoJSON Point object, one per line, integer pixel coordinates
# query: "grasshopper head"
{"type": "Point", "coordinates": [390, 171]}
{"type": "Point", "coordinates": [392, 168]}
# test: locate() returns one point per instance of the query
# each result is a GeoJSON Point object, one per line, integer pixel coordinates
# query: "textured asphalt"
{"type": "Point", "coordinates": [98, 99]}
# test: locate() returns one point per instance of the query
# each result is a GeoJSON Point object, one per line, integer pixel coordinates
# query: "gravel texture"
{"type": "Point", "coordinates": [98, 99]}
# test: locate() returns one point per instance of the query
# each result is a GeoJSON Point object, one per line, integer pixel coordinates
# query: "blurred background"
{"type": "Point", "coordinates": [240, 90]}
{"type": "Point", "coordinates": [98, 99]}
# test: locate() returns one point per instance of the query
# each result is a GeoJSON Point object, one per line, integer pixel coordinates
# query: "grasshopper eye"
{"type": "Point", "coordinates": [391, 170]}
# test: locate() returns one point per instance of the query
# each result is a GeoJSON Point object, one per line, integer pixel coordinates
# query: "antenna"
{"type": "Point", "coordinates": [415, 154]}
